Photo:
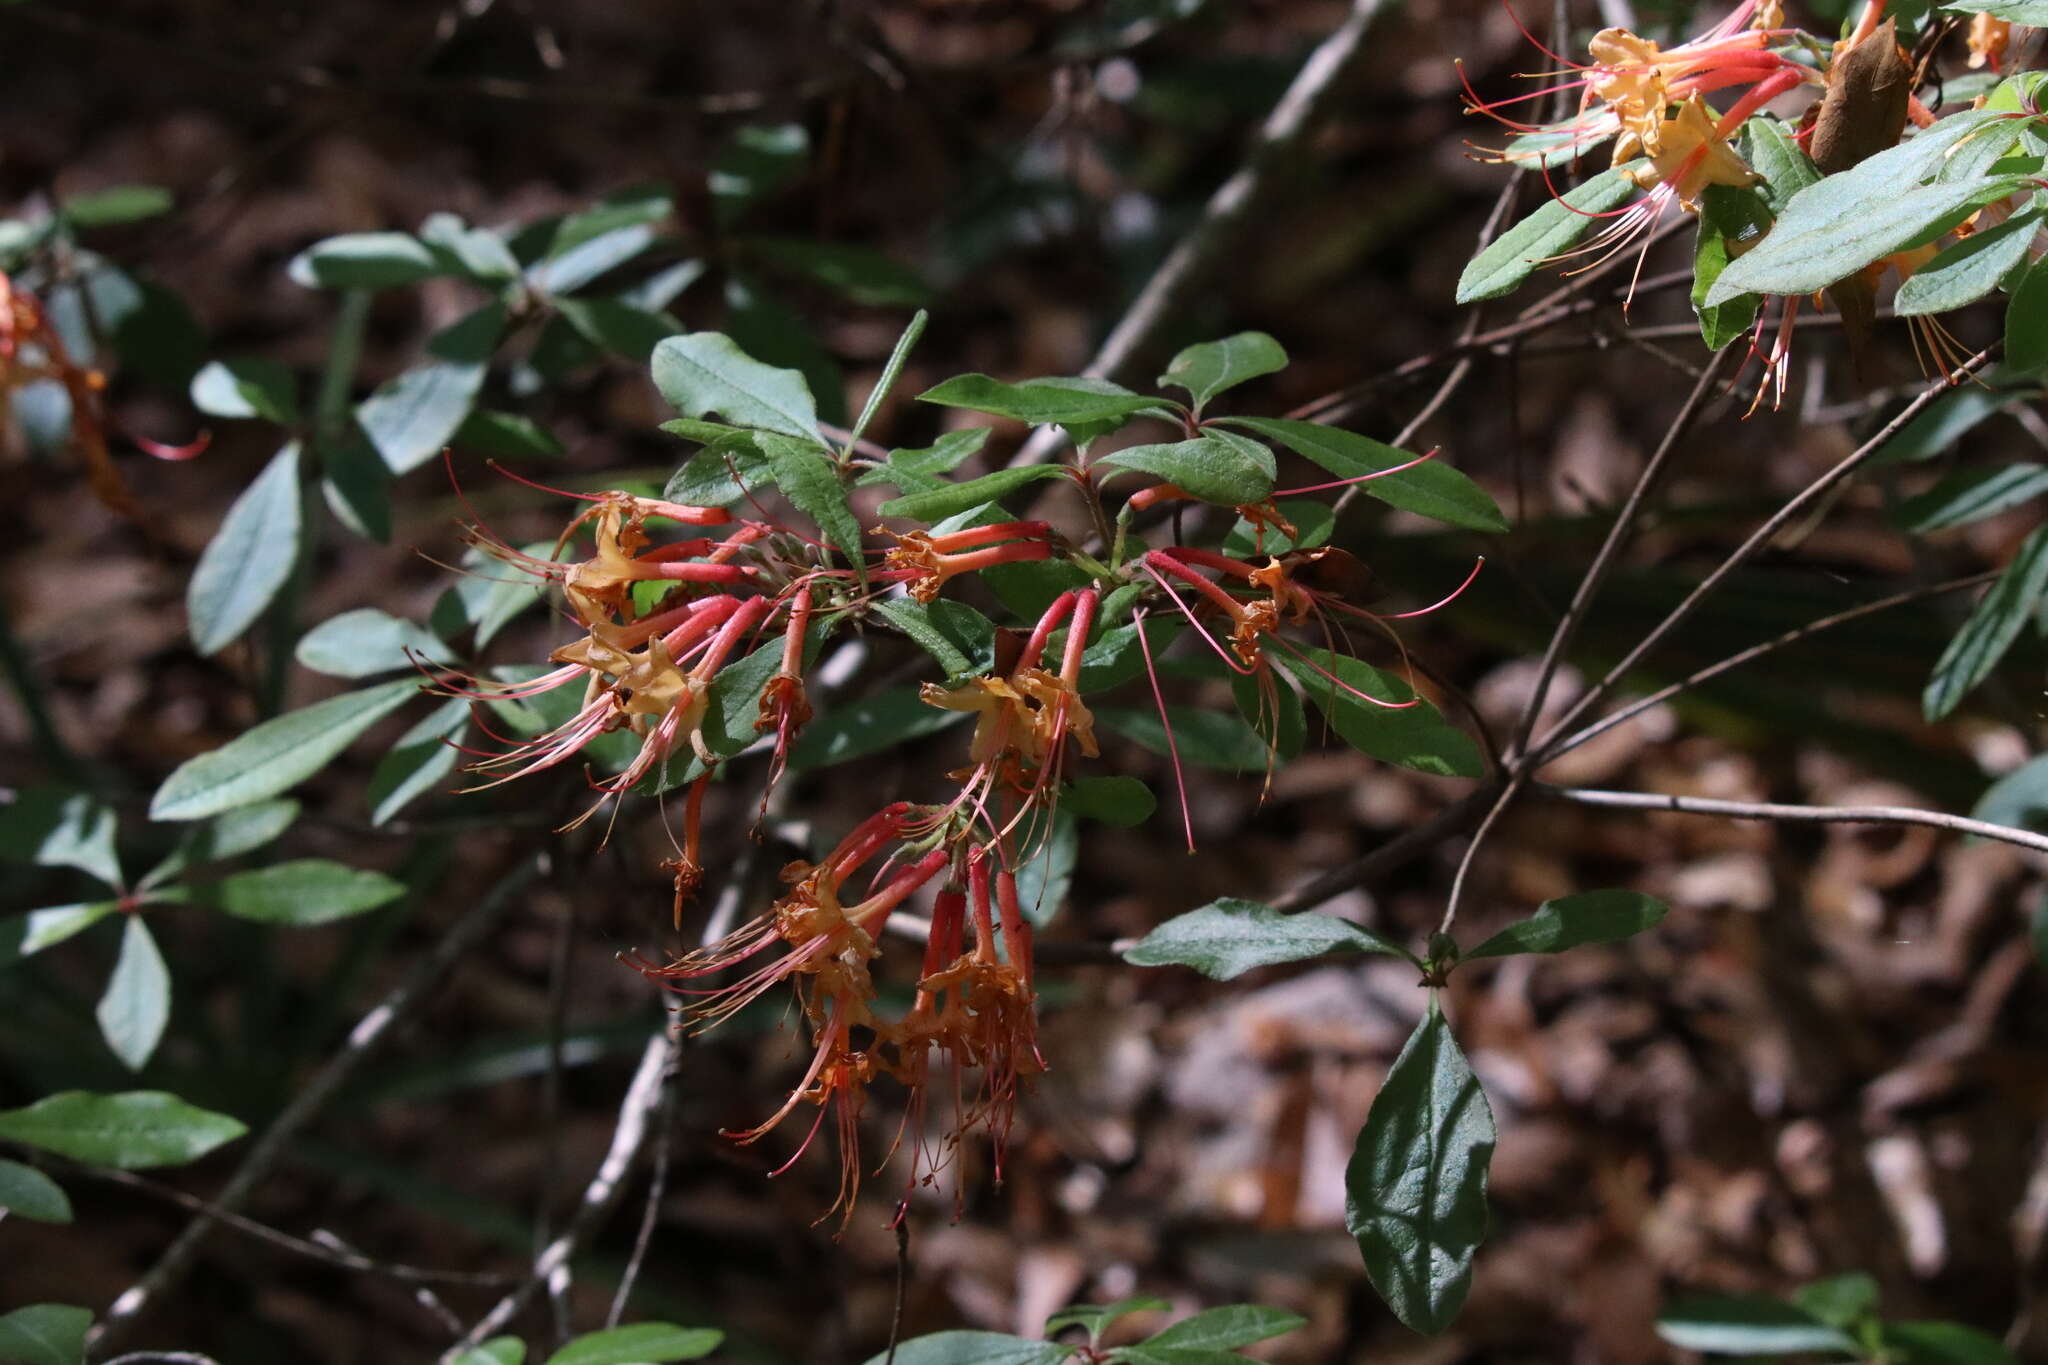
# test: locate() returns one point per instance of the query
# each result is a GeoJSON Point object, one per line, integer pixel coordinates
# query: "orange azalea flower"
{"type": "Point", "coordinates": [926, 562]}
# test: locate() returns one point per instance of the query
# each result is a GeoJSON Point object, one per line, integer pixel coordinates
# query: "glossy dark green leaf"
{"type": "Point", "coordinates": [1571, 921]}
{"type": "Point", "coordinates": [1229, 937]}
{"type": "Point", "coordinates": [1784, 165]}
{"type": "Point", "coordinates": [2030, 13]}
{"type": "Point", "coordinates": [874, 723]}
{"type": "Point", "coordinates": [410, 418]}
{"type": "Point", "coordinates": [276, 755]}
{"type": "Point", "coordinates": [242, 830]}
{"type": "Point", "coordinates": [1431, 489]}
{"type": "Point", "coordinates": [1039, 401]}
{"type": "Point", "coordinates": [496, 1351]}
{"type": "Point", "coordinates": [954, 498]}
{"type": "Point", "coordinates": [632, 206]}
{"type": "Point", "coordinates": [504, 435]}
{"type": "Point", "coordinates": [1274, 712]}
{"type": "Point", "coordinates": [304, 891]}
{"type": "Point", "coordinates": [356, 484]}
{"type": "Point", "coordinates": [722, 473]}
{"type": "Point", "coordinates": [364, 260]}
{"type": "Point", "coordinates": [760, 159]}
{"type": "Point", "coordinates": [1210, 367]}
{"type": "Point", "coordinates": [955, 634]}
{"type": "Point", "coordinates": [2019, 800]}
{"type": "Point", "coordinates": [1413, 736]}
{"type": "Point", "coordinates": [1993, 625]}
{"type": "Point", "coordinates": [2026, 320]}
{"type": "Point", "coordinates": [365, 642]}
{"type": "Point", "coordinates": [704, 372]}
{"type": "Point", "coordinates": [250, 386]}
{"type": "Point", "coordinates": [917, 471]}
{"type": "Point", "coordinates": [1963, 272]}
{"type": "Point", "coordinates": [1416, 1186]}
{"type": "Point", "coordinates": [26, 1192]}
{"type": "Point", "coordinates": [626, 331]}
{"type": "Point", "coordinates": [642, 1343]}
{"type": "Point", "coordinates": [1207, 739]}
{"type": "Point", "coordinates": [55, 828]}
{"type": "Point", "coordinates": [1839, 1300]}
{"type": "Point", "coordinates": [249, 557]}
{"type": "Point", "coordinates": [1945, 1343]}
{"type": "Point", "coordinates": [23, 935]}
{"type": "Point", "coordinates": [1968, 495]}
{"type": "Point", "coordinates": [1217, 466]}
{"type": "Point", "coordinates": [1731, 220]}
{"type": "Point", "coordinates": [973, 1348]}
{"type": "Point", "coordinates": [44, 1334]}
{"type": "Point", "coordinates": [1047, 873]}
{"type": "Point", "coordinates": [1313, 524]}
{"type": "Point", "coordinates": [591, 259]}
{"type": "Point", "coordinates": [768, 328]}
{"type": "Point", "coordinates": [1119, 801]}
{"type": "Point", "coordinates": [137, 1001]}
{"type": "Point", "coordinates": [1552, 229]}
{"type": "Point", "coordinates": [1747, 1325]}
{"type": "Point", "coordinates": [476, 252]}
{"type": "Point", "coordinates": [130, 1131]}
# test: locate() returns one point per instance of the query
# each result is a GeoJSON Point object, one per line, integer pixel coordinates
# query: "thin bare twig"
{"type": "Point", "coordinates": [1798, 815]}
{"type": "Point", "coordinates": [368, 1035]}
{"type": "Point", "coordinates": [1761, 537]}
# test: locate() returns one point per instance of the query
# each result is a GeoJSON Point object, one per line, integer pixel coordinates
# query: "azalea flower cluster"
{"type": "Point", "coordinates": [681, 609]}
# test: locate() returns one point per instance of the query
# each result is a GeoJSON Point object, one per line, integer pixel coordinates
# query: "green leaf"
{"type": "Point", "coordinates": [1570, 921]}
{"type": "Point", "coordinates": [1543, 235]}
{"type": "Point", "coordinates": [1946, 1343]}
{"type": "Point", "coordinates": [1839, 1300]}
{"type": "Point", "coordinates": [1313, 524]}
{"type": "Point", "coordinates": [137, 1002]}
{"type": "Point", "coordinates": [1431, 489]}
{"type": "Point", "coordinates": [704, 372]}
{"type": "Point", "coordinates": [892, 370]}
{"type": "Point", "coordinates": [1208, 739]}
{"type": "Point", "coordinates": [356, 484]}
{"type": "Point", "coordinates": [1093, 1318]}
{"type": "Point", "coordinates": [242, 830]}
{"type": "Point", "coordinates": [1414, 736]}
{"type": "Point", "coordinates": [643, 1343]}
{"type": "Point", "coordinates": [410, 418]}
{"type": "Point", "coordinates": [2026, 320]}
{"type": "Point", "coordinates": [365, 642]}
{"type": "Point", "coordinates": [26, 1192]}
{"type": "Point", "coordinates": [973, 1348]}
{"type": "Point", "coordinates": [1039, 401]}
{"type": "Point", "coordinates": [1217, 466]}
{"type": "Point", "coordinates": [2030, 13]}
{"type": "Point", "coordinates": [1048, 871]}
{"type": "Point", "coordinates": [1226, 1329]}
{"type": "Point", "coordinates": [761, 159]}
{"type": "Point", "coordinates": [1229, 937]}
{"type": "Point", "coordinates": [1838, 225]}
{"type": "Point", "coordinates": [1551, 146]}
{"type": "Point", "coordinates": [587, 260]}
{"type": "Point", "coordinates": [304, 891]}
{"type": "Point", "coordinates": [1941, 424]}
{"type": "Point", "coordinates": [1967, 495]}
{"type": "Point", "coordinates": [53, 828]}
{"type": "Point", "coordinates": [1147, 1354]}
{"type": "Point", "coordinates": [478, 252]}
{"type": "Point", "coordinates": [807, 476]}
{"type": "Point", "coordinates": [917, 471]}
{"type": "Point", "coordinates": [276, 755]}
{"type": "Point", "coordinates": [632, 206]}
{"type": "Point", "coordinates": [1209, 368]}
{"type": "Point", "coordinates": [364, 260]}
{"type": "Point", "coordinates": [1119, 801]}
{"type": "Point", "coordinates": [1781, 161]}
{"type": "Point", "coordinates": [664, 286]}
{"type": "Point", "coordinates": [249, 557]}
{"type": "Point", "coordinates": [496, 1351]}
{"type": "Point", "coordinates": [1274, 713]}
{"type": "Point", "coordinates": [504, 435]}
{"type": "Point", "coordinates": [40, 929]}
{"type": "Point", "coordinates": [44, 1334]}
{"type": "Point", "coordinates": [116, 205]}
{"type": "Point", "coordinates": [1747, 1325]}
{"type": "Point", "coordinates": [1993, 625]}
{"type": "Point", "coordinates": [876, 722]}
{"type": "Point", "coordinates": [1966, 271]}
{"type": "Point", "coordinates": [1416, 1185]}
{"type": "Point", "coordinates": [954, 498]}
{"type": "Point", "coordinates": [131, 1131]}
{"type": "Point", "coordinates": [958, 636]}
{"type": "Point", "coordinates": [627, 332]}
{"type": "Point", "coordinates": [2019, 800]}
{"type": "Point", "coordinates": [722, 473]}
{"type": "Point", "coordinates": [769, 330]}
{"type": "Point", "coordinates": [419, 760]}
{"type": "Point", "coordinates": [1729, 217]}
{"type": "Point", "coordinates": [252, 386]}
{"type": "Point", "coordinates": [860, 274]}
